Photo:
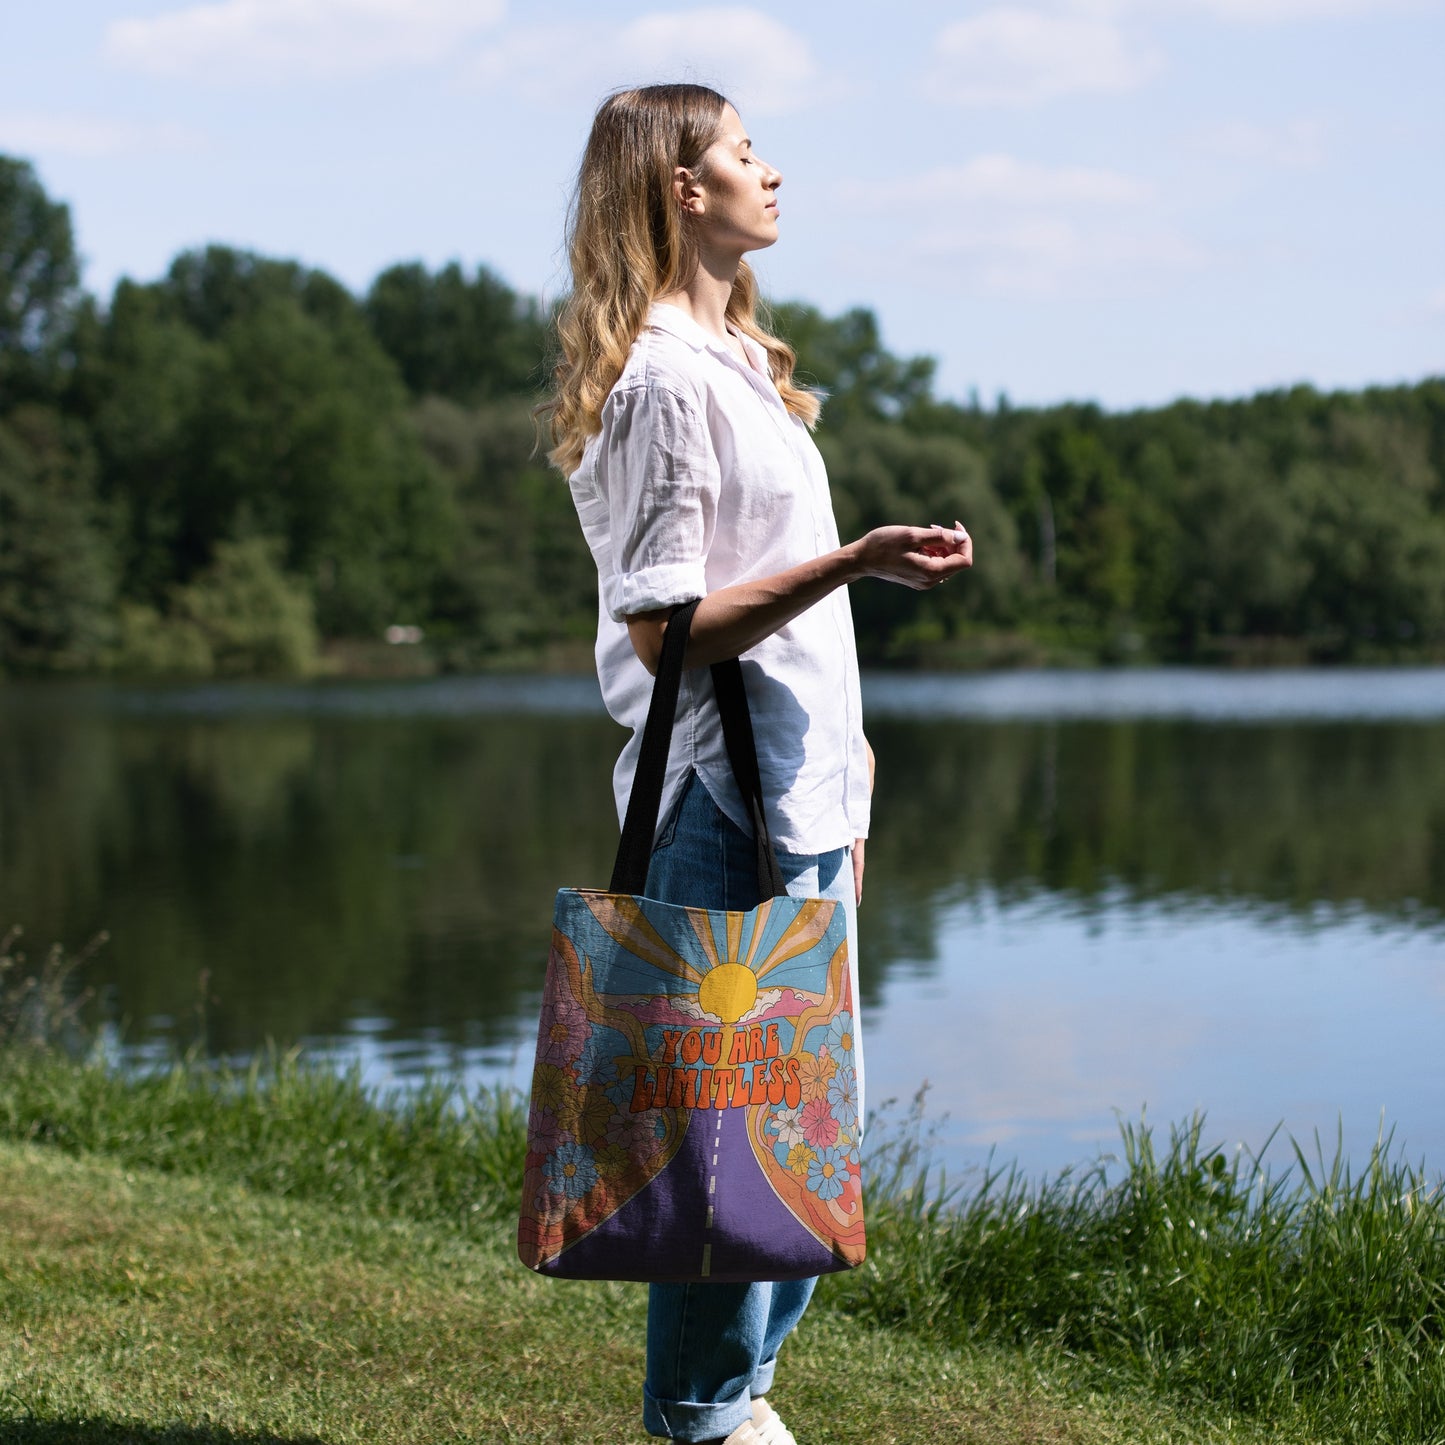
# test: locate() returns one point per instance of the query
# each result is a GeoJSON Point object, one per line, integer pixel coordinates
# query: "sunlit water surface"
{"type": "Point", "coordinates": [1089, 895]}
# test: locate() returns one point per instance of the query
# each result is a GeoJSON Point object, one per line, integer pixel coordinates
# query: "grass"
{"type": "Point", "coordinates": [144, 1307]}
{"type": "Point", "coordinates": [279, 1254]}
{"type": "Point", "coordinates": [1317, 1295]}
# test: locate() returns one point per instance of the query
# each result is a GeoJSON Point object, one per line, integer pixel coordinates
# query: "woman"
{"type": "Point", "coordinates": [686, 441]}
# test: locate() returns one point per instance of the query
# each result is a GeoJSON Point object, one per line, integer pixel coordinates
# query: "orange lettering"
{"type": "Point", "coordinates": [669, 1045]}
{"type": "Point", "coordinates": [793, 1092]}
{"type": "Point", "coordinates": [772, 1050]}
{"type": "Point", "coordinates": [712, 1047]}
{"type": "Point", "coordinates": [641, 1089]}
{"type": "Point", "coordinates": [691, 1046]}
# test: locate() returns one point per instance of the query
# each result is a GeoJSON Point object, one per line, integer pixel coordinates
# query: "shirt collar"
{"type": "Point", "coordinates": [676, 322]}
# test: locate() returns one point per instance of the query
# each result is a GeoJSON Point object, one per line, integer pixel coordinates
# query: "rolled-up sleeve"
{"type": "Point", "coordinates": [659, 478]}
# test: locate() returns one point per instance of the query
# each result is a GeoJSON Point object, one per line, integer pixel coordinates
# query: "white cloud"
{"type": "Point", "coordinates": [89, 136]}
{"type": "Point", "coordinates": [1047, 256]}
{"type": "Point", "coordinates": [265, 39]}
{"type": "Point", "coordinates": [760, 63]}
{"type": "Point", "coordinates": [1298, 145]}
{"type": "Point", "coordinates": [1249, 12]}
{"type": "Point", "coordinates": [1264, 12]}
{"type": "Point", "coordinates": [1015, 56]}
{"type": "Point", "coordinates": [1000, 225]}
{"type": "Point", "coordinates": [1002, 180]}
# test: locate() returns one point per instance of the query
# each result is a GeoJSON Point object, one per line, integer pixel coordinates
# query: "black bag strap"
{"type": "Point", "coordinates": [737, 726]}
{"type": "Point", "coordinates": [634, 851]}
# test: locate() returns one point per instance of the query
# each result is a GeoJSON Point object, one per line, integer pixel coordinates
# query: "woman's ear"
{"type": "Point", "coordinates": [688, 191]}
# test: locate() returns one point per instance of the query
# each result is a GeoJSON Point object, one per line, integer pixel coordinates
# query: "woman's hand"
{"type": "Point", "coordinates": [918, 557]}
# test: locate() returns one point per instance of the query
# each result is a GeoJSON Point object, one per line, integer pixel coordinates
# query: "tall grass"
{"type": "Point", "coordinates": [434, 1153]}
{"type": "Point", "coordinates": [1186, 1271]}
{"type": "Point", "coordinates": [40, 1007]}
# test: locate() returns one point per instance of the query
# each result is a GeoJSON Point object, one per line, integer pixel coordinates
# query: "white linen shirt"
{"type": "Point", "coordinates": [700, 477]}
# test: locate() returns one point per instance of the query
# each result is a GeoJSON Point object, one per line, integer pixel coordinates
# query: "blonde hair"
{"type": "Point", "coordinates": [628, 244]}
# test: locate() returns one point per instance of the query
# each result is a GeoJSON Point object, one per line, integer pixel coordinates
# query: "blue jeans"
{"type": "Point", "coordinates": [711, 1348]}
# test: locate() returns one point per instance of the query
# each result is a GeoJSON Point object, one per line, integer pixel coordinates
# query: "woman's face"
{"type": "Point", "coordinates": [734, 205]}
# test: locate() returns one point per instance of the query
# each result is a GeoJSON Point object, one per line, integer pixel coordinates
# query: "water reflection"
{"type": "Point", "coordinates": [1038, 1020]}
{"type": "Point", "coordinates": [1079, 909]}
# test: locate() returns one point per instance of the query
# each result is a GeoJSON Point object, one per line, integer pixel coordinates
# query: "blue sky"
{"type": "Point", "coordinates": [1116, 200]}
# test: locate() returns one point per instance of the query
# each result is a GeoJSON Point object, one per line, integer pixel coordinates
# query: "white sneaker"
{"type": "Point", "coordinates": [744, 1435]}
{"type": "Point", "coordinates": [768, 1426]}
{"type": "Point", "coordinates": [765, 1428]}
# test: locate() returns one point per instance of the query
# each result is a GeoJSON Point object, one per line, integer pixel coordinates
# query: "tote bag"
{"type": "Point", "coordinates": [694, 1111]}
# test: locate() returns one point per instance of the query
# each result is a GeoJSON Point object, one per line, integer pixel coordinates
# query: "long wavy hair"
{"type": "Point", "coordinates": [629, 243]}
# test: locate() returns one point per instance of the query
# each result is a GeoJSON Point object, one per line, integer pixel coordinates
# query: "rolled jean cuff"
{"type": "Point", "coordinates": [762, 1380]}
{"type": "Point", "coordinates": [691, 1419]}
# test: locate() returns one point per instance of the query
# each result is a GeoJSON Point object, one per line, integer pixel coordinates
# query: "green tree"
{"type": "Point", "coordinates": [844, 356]}
{"type": "Point", "coordinates": [1376, 557]}
{"type": "Point", "coordinates": [56, 573]}
{"type": "Point", "coordinates": [144, 377]}
{"type": "Point", "coordinates": [467, 338]}
{"type": "Point", "coordinates": [1242, 568]}
{"type": "Point", "coordinates": [1092, 509]}
{"type": "Point", "coordinates": [241, 617]}
{"type": "Point", "coordinates": [213, 287]}
{"type": "Point", "coordinates": [243, 397]}
{"type": "Point", "coordinates": [521, 576]}
{"type": "Point", "coordinates": [39, 286]}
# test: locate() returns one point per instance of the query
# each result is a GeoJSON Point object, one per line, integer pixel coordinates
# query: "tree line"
{"type": "Point", "coordinates": [244, 468]}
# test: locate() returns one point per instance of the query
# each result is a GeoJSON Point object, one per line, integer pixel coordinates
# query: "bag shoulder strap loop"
{"type": "Point", "coordinates": [634, 850]}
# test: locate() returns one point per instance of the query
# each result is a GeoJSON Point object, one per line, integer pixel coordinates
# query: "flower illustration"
{"type": "Point", "coordinates": [843, 1096]}
{"type": "Point", "coordinates": [819, 1125]}
{"type": "Point", "coordinates": [551, 1088]}
{"type": "Point", "coordinates": [571, 1171]}
{"type": "Point", "coordinates": [828, 1173]}
{"type": "Point", "coordinates": [594, 1114]}
{"type": "Point", "coordinates": [800, 1159]}
{"type": "Point", "coordinates": [612, 1161]}
{"type": "Point", "coordinates": [593, 1064]}
{"type": "Point", "coordinates": [544, 1131]}
{"type": "Point", "coordinates": [633, 1132]}
{"type": "Point", "coordinates": [564, 1030]}
{"type": "Point", "coordinates": [840, 1034]}
{"type": "Point", "coordinates": [785, 1123]}
{"type": "Point", "coordinates": [817, 1070]}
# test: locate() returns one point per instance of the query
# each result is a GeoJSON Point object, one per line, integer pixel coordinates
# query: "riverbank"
{"type": "Point", "coordinates": [281, 1256]}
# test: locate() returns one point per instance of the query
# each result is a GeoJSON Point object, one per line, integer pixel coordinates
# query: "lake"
{"type": "Point", "coordinates": [1088, 894]}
